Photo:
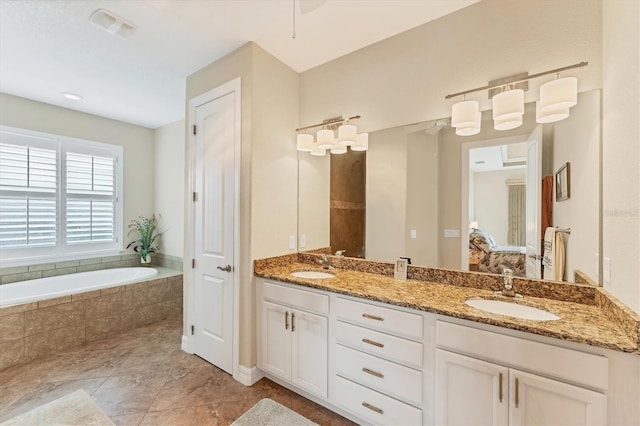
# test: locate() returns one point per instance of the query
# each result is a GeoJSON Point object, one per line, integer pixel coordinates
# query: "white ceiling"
{"type": "Point", "coordinates": [48, 46]}
{"type": "Point", "coordinates": [497, 158]}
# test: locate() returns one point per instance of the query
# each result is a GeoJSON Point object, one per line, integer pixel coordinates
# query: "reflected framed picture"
{"type": "Point", "coordinates": [563, 182]}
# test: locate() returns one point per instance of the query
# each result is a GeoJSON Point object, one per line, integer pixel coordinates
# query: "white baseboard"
{"type": "Point", "coordinates": [248, 375]}
{"type": "Point", "coordinates": [186, 345]}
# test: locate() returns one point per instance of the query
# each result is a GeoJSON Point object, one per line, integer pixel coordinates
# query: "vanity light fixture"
{"type": "Point", "coordinates": [556, 98]}
{"type": "Point", "coordinates": [327, 141]}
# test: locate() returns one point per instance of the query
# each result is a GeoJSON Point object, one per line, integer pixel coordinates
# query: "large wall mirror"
{"type": "Point", "coordinates": [425, 193]}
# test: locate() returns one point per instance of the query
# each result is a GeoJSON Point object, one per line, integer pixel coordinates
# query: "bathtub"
{"type": "Point", "coordinates": [63, 285]}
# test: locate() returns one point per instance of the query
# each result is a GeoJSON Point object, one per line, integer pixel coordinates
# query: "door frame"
{"type": "Point", "coordinates": [233, 86]}
{"type": "Point", "coordinates": [464, 190]}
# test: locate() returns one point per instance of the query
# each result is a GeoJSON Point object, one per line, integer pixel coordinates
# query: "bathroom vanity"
{"type": "Point", "coordinates": [385, 351]}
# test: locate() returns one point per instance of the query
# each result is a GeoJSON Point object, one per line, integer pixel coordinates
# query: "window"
{"type": "Point", "coordinates": [59, 197]}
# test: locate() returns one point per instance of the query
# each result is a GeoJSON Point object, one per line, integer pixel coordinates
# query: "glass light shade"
{"type": "Point", "coordinates": [304, 142]}
{"type": "Point", "coordinates": [339, 149]}
{"type": "Point", "coordinates": [471, 129]}
{"type": "Point", "coordinates": [559, 94]}
{"type": "Point", "coordinates": [347, 134]}
{"type": "Point", "coordinates": [362, 142]}
{"type": "Point", "coordinates": [508, 123]}
{"type": "Point", "coordinates": [325, 139]}
{"type": "Point", "coordinates": [509, 104]}
{"type": "Point", "coordinates": [465, 113]}
{"type": "Point", "coordinates": [317, 151]}
{"type": "Point", "coordinates": [551, 116]}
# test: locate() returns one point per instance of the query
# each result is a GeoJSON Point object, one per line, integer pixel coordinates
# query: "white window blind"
{"type": "Point", "coordinates": [90, 201]}
{"type": "Point", "coordinates": [28, 183]}
{"type": "Point", "coordinates": [58, 196]}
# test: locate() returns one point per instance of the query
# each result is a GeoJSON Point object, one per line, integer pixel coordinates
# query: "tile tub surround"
{"type": "Point", "coordinates": [38, 329]}
{"type": "Point", "coordinates": [43, 270]}
{"type": "Point", "coordinates": [587, 314]}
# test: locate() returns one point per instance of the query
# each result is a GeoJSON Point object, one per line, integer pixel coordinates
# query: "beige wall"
{"type": "Point", "coordinates": [621, 148]}
{"type": "Point", "coordinates": [169, 186]}
{"type": "Point", "coordinates": [386, 200]}
{"type": "Point", "coordinates": [268, 185]}
{"type": "Point", "coordinates": [577, 141]}
{"type": "Point", "coordinates": [404, 79]}
{"type": "Point", "coordinates": [422, 199]}
{"type": "Point", "coordinates": [137, 143]}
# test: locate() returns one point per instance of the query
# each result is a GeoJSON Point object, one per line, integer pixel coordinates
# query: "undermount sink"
{"type": "Point", "coordinates": [511, 309]}
{"type": "Point", "coordinates": [318, 275]}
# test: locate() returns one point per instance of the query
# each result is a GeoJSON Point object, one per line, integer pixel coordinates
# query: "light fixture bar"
{"type": "Point", "coordinates": [331, 121]}
{"type": "Point", "coordinates": [532, 76]}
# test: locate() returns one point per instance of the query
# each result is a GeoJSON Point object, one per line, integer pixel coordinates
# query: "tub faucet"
{"type": "Point", "coordinates": [326, 264]}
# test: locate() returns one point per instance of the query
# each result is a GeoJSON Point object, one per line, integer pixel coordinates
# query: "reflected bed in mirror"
{"type": "Point", "coordinates": [424, 194]}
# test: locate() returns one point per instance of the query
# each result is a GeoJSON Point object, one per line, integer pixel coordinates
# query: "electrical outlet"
{"type": "Point", "coordinates": [303, 240]}
{"type": "Point", "coordinates": [414, 234]}
{"type": "Point", "coordinates": [606, 271]}
{"type": "Point", "coordinates": [292, 242]}
{"type": "Point", "coordinates": [452, 233]}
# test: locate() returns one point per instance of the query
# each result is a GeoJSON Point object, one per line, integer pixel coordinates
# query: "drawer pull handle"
{"type": "Point", "coordinates": [373, 317]}
{"type": "Point", "coordinates": [371, 342]}
{"type": "Point", "coordinates": [500, 387]}
{"type": "Point", "coordinates": [373, 408]}
{"type": "Point", "coordinates": [293, 322]}
{"type": "Point", "coordinates": [286, 320]}
{"type": "Point", "coordinates": [373, 373]}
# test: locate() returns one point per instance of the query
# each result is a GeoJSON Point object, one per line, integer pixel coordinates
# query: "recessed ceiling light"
{"type": "Point", "coordinates": [72, 96]}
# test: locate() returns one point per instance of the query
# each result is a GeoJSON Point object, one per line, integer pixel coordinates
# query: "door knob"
{"type": "Point", "coordinates": [225, 269]}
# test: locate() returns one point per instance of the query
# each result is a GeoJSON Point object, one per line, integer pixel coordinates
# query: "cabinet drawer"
{"type": "Point", "coordinates": [373, 406]}
{"type": "Point", "coordinates": [378, 318]}
{"type": "Point", "coordinates": [306, 300]}
{"type": "Point", "coordinates": [384, 345]}
{"type": "Point", "coordinates": [385, 376]}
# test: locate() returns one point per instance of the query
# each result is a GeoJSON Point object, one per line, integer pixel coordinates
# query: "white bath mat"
{"type": "Point", "coordinates": [77, 408]}
{"type": "Point", "coordinates": [269, 413]}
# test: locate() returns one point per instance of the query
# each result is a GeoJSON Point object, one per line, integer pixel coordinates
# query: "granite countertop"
{"type": "Point", "coordinates": [589, 322]}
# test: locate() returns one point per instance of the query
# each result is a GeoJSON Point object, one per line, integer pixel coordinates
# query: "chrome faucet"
{"type": "Point", "coordinates": [340, 253]}
{"type": "Point", "coordinates": [325, 262]}
{"type": "Point", "coordinates": [507, 284]}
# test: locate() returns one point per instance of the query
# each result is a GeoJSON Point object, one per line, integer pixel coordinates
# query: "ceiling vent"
{"type": "Point", "coordinates": [112, 23]}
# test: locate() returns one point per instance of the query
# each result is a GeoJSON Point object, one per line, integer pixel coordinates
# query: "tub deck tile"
{"type": "Point", "coordinates": [10, 310]}
{"type": "Point", "coordinates": [86, 295]}
{"type": "Point", "coordinates": [12, 327]}
{"type": "Point", "coordinates": [109, 326]}
{"type": "Point", "coordinates": [11, 353]}
{"type": "Point", "coordinates": [43, 344]}
{"type": "Point", "coordinates": [53, 302]}
{"type": "Point", "coordinates": [109, 304]}
{"type": "Point", "coordinates": [54, 317]}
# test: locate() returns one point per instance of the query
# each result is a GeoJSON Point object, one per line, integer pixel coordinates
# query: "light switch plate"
{"type": "Point", "coordinates": [292, 242]}
{"type": "Point", "coordinates": [414, 234]}
{"type": "Point", "coordinates": [303, 240]}
{"type": "Point", "coordinates": [452, 233]}
{"type": "Point", "coordinates": [606, 271]}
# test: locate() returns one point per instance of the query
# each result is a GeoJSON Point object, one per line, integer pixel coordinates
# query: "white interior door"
{"type": "Point", "coordinates": [214, 230]}
{"type": "Point", "coordinates": [534, 200]}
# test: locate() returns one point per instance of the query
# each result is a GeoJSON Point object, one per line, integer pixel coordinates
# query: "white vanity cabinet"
{"type": "Point", "coordinates": [471, 391]}
{"type": "Point", "coordinates": [378, 362]}
{"type": "Point", "coordinates": [295, 336]}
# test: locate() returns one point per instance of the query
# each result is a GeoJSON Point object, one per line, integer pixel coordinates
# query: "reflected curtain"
{"type": "Point", "coordinates": [516, 235]}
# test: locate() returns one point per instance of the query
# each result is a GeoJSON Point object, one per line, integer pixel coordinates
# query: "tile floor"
{"type": "Point", "coordinates": [143, 378]}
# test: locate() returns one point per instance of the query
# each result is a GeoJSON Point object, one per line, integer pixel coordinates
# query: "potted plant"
{"type": "Point", "coordinates": [144, 245]}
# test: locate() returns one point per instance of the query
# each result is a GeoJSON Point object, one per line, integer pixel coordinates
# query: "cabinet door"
{"type": "Point", "coordinates": [309, 352]}
{"type": "Point", "coordinates": [470, 391]}
{"type": "Point", "coordinates": [276, 339]}
{"type": "Point", "coordinates": [536, 400]}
